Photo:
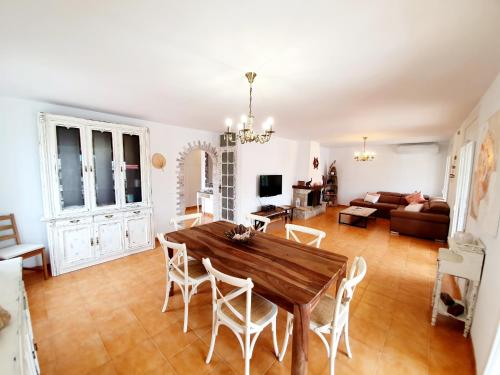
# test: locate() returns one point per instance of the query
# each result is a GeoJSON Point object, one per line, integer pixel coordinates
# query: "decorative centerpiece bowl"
{"type": "Point", "coordinates": [240, 233]}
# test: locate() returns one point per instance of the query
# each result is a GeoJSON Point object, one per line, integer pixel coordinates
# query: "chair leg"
{"type": "Point", "coordinates": [167, 295]}
{"type": "Point", "coordinates": [275, 339]}
{"type": "Point", "coordinates": [289, 329]}
{"type": "Point", "coordinates": [215, 330]}
{"type": "Point", "coordinates": [186, 307]}
{"type": "Point", "coordinates": [44, 265]}
{"type": "Point", "coordinates": [247, 353]}
{"type": "Point", "coordinates": [333, 352]}
{"type": "Point", "coordinates": [346, 338]}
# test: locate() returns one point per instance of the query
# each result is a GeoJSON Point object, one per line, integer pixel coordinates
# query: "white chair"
{"type": "Point", "coordinates": [243, 312]}
{"type": "Point", "coordinates": [292, 228]}
{"type": "Point", "coordinates": [331, 315]}
{"type": "Point", "coordinates": [178, 220]}
{"type": "Point", "coordinates": [257, 222]}
{"type": "Point", "coordinates": [187, 274]}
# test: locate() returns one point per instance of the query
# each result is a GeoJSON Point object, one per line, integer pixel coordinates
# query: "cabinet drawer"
{"type": "Point", "coordinates": [136, 213]}
{"type": "Point", "coordinates": [108, 217]}
{"type": "Point", "coordinates": [75, 221]}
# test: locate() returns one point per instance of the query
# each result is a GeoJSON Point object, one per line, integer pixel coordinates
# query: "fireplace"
{"type": "Point", "coordinates": [314, 198]}
{"type": "Point", "coordinates": [307, 200]}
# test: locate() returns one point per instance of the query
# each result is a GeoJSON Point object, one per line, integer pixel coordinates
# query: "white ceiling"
{"type": "Point", "coordinates": [333, 71]}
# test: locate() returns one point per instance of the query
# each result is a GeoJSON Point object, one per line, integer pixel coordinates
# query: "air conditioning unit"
{"type": "Point", "coordinates": [418, 148]}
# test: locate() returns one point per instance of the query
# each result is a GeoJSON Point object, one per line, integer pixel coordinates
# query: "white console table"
{"type": "Point", "coordinates": [464, 261]}
{"type": "Point", "coordinates": [17, 350]}
{"type": "Point", "coordinates": [206, 200]}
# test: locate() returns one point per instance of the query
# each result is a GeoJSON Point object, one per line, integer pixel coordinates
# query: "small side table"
{"type": "Point", "coordinates": [464, 261]}
{"type": "Point", "coordinates": [288, 212]}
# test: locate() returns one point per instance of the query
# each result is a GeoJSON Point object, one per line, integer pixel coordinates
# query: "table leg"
{"type": "Point", "coordinates": [300, 344]}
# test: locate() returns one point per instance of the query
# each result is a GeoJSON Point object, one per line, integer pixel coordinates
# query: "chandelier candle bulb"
{"type": "Point", "coordinates": [364, 156]}
{"type": "Point", "coordinates": [246, 133]}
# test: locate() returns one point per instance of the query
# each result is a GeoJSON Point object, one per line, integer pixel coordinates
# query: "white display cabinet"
{"type": "Point", "coordinates": [96, 190]}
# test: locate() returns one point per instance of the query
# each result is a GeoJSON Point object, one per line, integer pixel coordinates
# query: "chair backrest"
{"type": "Point", "coordinates": [220, 299]}
{"type": "Point", "coordinates": [346, 289]}
{"type": "Point", "coordinates": [9, 227]}
{"type": "Point", "coordinates": [179, 219]}
{"type": "Point", "coordinates": [292, 228]}
{"type": "Point", "coordinates": [263, 221]}
{"type": "Point", "coordinates": [179, 260]}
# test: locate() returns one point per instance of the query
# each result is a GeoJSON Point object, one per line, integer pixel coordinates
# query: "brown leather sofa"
{"type": "Point", "coordinates": [431, 223]}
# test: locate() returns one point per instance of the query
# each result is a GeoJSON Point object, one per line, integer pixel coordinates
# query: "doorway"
{"type": "Point", "coordinates": [198, 179]}
{"type": "Point", "coordinates": [464, 177]}
{"type": "Point", "coordinates": [198, 183]}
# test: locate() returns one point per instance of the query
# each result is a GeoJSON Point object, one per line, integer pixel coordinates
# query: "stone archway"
{"type": "Point", "coordinates": [181, 159]}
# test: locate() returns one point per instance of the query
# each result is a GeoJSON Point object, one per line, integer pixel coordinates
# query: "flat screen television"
{"type": "Point", "coordinates": [270, 185]}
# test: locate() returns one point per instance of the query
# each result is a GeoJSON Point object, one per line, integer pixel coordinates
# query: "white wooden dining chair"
{"type": "Point", "coordinates": [243, 312]}
{"type": "Point", "coordinates": [257, 222]}
{"type": "Point", "coordinates": [179, 220]}
{"type": "Point", "coordinates": [291, 230]}
{"type": "Point", "coordinates": [331, 315]}
{"type": "Point", "coordinates": [188, 274]}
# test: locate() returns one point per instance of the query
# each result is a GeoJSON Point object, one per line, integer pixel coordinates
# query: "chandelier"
{"type": "Point", "coordinates": [364, 156]}
{"type": "Point", "coordinates": [246, 133]}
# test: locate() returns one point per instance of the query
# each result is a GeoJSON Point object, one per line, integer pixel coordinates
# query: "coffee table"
{"type": "Point", "coordinates": [356, 216]}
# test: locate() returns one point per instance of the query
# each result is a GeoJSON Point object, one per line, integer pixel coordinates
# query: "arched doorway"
{"type": "Point", "coordinates": [211, 151]}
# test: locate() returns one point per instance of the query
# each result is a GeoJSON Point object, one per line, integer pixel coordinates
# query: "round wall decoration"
{"type": "Point", "coordinates": [158, 161]}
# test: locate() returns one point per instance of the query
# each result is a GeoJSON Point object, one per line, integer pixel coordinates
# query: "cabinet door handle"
{"type": "Point", "coordinates": [137, 212]}
{"type": "Point", "coordinates": [74, 221]}
{"type": "Point", "coordinates": [97, 240]}
{"type": "Point", "coordinates": [108, 216]}
{"type": "Point", "coordinates": [91, 242]}
{"type": "Point", "coordinates": [126, 233]}
{"type": "Point", "coordinates": [86, 169]}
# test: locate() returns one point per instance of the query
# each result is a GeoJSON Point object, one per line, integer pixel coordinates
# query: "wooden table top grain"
{"type": "Point", "coordinates": [285, 272]}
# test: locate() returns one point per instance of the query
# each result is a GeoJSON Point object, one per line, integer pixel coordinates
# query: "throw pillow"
{"type": "Point", "coordinates": [372, 197]}
{"type": "Point", "coordinates": [416, 197]}
{"type": "Point", "coordinates": [414, 207]}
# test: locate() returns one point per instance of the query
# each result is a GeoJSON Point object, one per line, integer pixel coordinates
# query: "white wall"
{"type": "Point", "coordinates": [390, 171]}
{"type": "Point", "coordinates": [192, 176]}
{"type": "Point", "coordinates": [487, 314]}
{"type": "Point", "coordinates": [279, 156]}
{"type": "Point", "coordinates": [20, 186]}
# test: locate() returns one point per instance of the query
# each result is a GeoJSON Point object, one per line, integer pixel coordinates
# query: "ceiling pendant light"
{"type": "Point", "coordinates": [364, 156]}
{"type": "Point", "coordinates": [245, 130]}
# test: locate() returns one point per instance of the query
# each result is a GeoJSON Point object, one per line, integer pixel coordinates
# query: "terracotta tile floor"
{"type": "Point", "coordinates": [107, 320]}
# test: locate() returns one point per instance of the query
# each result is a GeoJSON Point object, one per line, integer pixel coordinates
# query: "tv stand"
{"type": "Point", "coordinates": [277, 213]}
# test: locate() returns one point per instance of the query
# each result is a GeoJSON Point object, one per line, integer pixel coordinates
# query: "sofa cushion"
{"type": "Point", "coordinates": [416, 197]}
{"type": "Point", "coordinates": [437, 207]}
{"type": "Point", "coordinates": [372, 197]}
{"type": "Point", "coordinates": [389, 198]}
{"type": "Point", "coordinates": [360, 202]}
{"type": "Point", "coordinates": [414, 207]}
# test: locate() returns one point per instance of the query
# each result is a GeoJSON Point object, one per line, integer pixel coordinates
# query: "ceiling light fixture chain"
{"type": "Point", "coordinates": [246, 133]}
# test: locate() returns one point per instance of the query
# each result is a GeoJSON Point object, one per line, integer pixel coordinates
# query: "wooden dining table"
{"type": "Point", "coordinates": [292, 275]}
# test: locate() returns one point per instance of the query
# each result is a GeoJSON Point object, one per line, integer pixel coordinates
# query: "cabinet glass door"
{"type": "Point", "coordinates": [70, 170]}
{"type": "Point", "coordinates": [104, 168]}
{"type": "Point", "coordinates": [132, 168]}
{"type": "Point", "coordinates": [228, 184]}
